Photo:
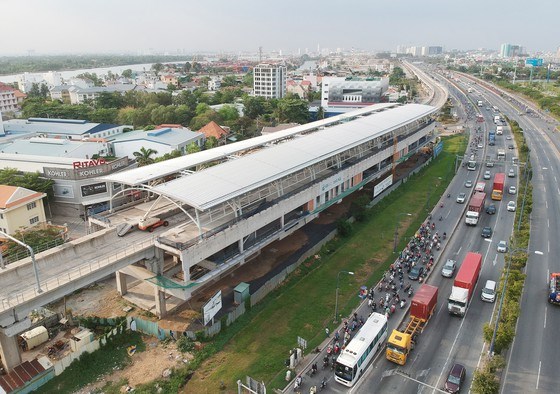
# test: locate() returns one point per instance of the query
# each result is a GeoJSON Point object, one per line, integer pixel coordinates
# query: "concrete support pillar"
{"type": "Point", "coordinates": [282, 221]}
{"type": "Point", "coordinates": [240, 245]}
{"type": "Point", "coordinates": [9, 351]}
{"type": "Point", "coordinates": [161, 311]}
{"type": "Point", "coordinates": [121, 283]}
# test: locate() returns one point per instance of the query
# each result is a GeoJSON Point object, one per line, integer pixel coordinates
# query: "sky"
{"type": "Point", "coordinates": [140, 26]}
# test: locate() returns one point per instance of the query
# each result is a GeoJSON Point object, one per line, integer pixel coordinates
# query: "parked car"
{"type": "Point", "coordinates": [461, 198]}
{"type": "Point", "coordinates": [486, 232]}
{"type": "Point", "coordinates": [416, 272]}
{"type": "Point", "coordinates": [455, 378]}
{"type": "Point", "coordinates": [511, 206]}
{"type": "Point", "coordinates": [502, 247]}
{"type": "Point", "coordinates": [491, 209]}
{"type": "Point", "coordinates": [512, 190]}
{"type": "Point", "coordinates": [449, 268]}
{"type": "Point", "coordinates": [468, 183]}
{"type": "Point", "coordinates": [487, 175]}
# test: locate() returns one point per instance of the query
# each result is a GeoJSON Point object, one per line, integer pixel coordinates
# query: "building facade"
{"type": "Point", "coordinates": [269, 81]}
{"type": "Point", "coordinates": [20, 208]}
{"type": "Point", "coordinates": [340, 95]}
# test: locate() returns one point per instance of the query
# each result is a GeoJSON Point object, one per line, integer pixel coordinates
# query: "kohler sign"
{"type": "Point", "coordinates": [86, 169]}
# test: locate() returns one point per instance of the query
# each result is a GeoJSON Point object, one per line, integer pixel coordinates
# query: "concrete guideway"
{"type": "Point", "coordinates": [65, 269]}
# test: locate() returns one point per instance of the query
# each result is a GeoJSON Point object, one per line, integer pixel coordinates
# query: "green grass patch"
{"type": "Point", "coordinates": [91, 366]}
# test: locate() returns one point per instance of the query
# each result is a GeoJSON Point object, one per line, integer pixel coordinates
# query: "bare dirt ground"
{"type": "Point", "coordinates": [146, 366]}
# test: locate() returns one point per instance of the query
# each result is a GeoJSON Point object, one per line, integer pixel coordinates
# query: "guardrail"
{"type": "Point", "coordinates": [75, 273]}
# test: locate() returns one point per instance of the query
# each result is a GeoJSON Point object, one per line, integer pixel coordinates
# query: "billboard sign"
{"type": "Point", "coordinates": [384, 184]}
{"type": "Point", "coordinates": [212, 307]}
{"type": "Point", "coordinates": [533, 62]}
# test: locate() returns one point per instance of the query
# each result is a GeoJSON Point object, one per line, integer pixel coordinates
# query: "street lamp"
{"type": "Point", "coordinates": [336, 298]}
{"type": "Point", "coordinates": [32, 255]}
{"type": "Point", "coordinates": [397, 231]}
{"type": "Point", "coordinates": [502, 296]}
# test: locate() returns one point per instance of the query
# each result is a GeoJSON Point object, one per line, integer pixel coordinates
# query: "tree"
{"type": "Point", "coordinates": [187, 67]}
{"type": "Point", "coordinates": [144, 156]}
{"type": "Point", "coordinates": [211, 142]}
{"type": "Point", "coordinates": [228, 113]}
{"type": "Point", "coordinates": [157, 68]}
{"type": "Point", "coordinates": [109, 100]}
{"type": "Point", "coordinates": [292, 110]}
{"type": "Point", "coordinates": [29, 180]}
{"type": "Point", "coordinates": [229, 80]}
{"type": "Point", "coordinates": [127, 73]}
{"type": "Point", "coordinates": [254, 106]}
{"type": "Point", "coordinates": [193, 148]}
{"type": "Point", "coordinates": [171, 87]}
{"type": "Point", "coordinates": [92, 77]}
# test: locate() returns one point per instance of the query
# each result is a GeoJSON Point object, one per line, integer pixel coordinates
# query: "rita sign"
{"type": "Point", "coordinates": [88, 163]}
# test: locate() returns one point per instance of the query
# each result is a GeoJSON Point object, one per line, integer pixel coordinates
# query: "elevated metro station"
{"type": "Point", "coordinates": [225, 204]}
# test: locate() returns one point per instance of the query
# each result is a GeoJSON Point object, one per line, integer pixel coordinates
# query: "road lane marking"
{"type": "Point", "coordinates": [545, 312]}
{"type": "Point", "coordinates": [548, 246]}
{"type": "Point", "coordinates": [548, 223]}
{"type": "Point", "coordinates": [546, 203]}
{"type": "Point", "coordinates": [538, 376]}
{"type": "Point", "coordinates": [459, 251]}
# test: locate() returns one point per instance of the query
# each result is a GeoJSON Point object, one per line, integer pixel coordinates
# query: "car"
{"type": "Point", "coordinates": [486, 232]}
{"type": "Point", "coordinates": [489, 291]}
{"type": "Point", "coordinates": [461, 198]}
{"type": "Point", "coordinates": [449, 268]}
{"type": "Point", "coordinates": [511, 206]}
{"type": "Point", "coordinates": [508, 137]}
{"type": "Point", "coordinates": [491, 209]}
{"type": "Point", "coordinates": [468, 183]}
{"type": "Point", "coordinates": [455, 378]}
{"type": "Point", "coordinates": [486, 175]}
{"type": "Point", "coordinates": [416, 272]}
{"type": "Point", "coordinates": [511, 173]}
{"type": "Point", "coordinates": [490, 164]}
{"type": "Point", "coordinates": [510, 146]}
{"type": "Point", "coordinates": [502, 247]}
{"type": "Point", "coordinates": [479, 146]}
{"type": "Point", "coordinates": [512, 190]}
{"type": "Point", "coordinates": [487, 108]}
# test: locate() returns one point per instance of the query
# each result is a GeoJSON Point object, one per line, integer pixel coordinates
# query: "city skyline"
{"type": "Point", "coordinates": [64, 26]}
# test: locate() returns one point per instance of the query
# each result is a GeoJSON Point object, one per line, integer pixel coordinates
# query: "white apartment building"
{"type": "Point", "coordinates": [269, 81]}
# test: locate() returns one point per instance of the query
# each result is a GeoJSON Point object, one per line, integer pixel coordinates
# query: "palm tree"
{"type": "Point", "coordinates": [143, 156]}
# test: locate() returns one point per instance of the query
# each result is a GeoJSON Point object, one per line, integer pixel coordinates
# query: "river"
{"type": "Point", "coordinates": [99, 71]}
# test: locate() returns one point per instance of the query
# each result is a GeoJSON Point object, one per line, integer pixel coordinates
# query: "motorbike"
{"type": "Point", "coordinates": [297, 383]}
{"type": "Point", "coordinates": [444, 235]}
{"type": "Point", "coordinates": [313, 369]}
{"type": "Point", "coordinates": [323, 384]}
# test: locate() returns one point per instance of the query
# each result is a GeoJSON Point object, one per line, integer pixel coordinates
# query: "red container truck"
{"type": "Point", "coordinates": [498, 187]}
{"type": "Point", "coordinates": [476, 206]}
{"type": "Point", "coordinates": [402, 341]}
{"type": "Point", "coordinates": [464, 284]}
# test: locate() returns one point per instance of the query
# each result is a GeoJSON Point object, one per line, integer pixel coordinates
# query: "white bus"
{"type": "Point", "coordinates": [471, 165]}
{"type": "Point", "coordinates": [360, 351]}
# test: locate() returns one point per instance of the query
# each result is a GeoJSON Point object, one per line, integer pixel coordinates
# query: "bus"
{"type": "Point", "coordinates": [354, 359]}
{"type": "Point", "coordinates": [480, 118]}
{"type": "Point", "coordinates": [471, 165]}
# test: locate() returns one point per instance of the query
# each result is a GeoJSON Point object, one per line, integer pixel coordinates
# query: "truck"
{"type": "Point", "coordinates": [491, 138]}
{"type": "Point", "coordinates": [499, 130]}
{"type": "Point", "coordinates": [554, 288]}
{"type": "Point", "coordinates": [464, 284]}
{"type": "Point", "coordinates": [422, 307]}
{"type": "Point", "coordinates": [476, 206]}
{"type": "Point", "coordinates": [150, 224]}
{"type": "Point", "coordinates": [498, 186]}
{"type": "Point", "coordinates": [497, 119]}
{"type": "Point", "coordinates": [480, 186]}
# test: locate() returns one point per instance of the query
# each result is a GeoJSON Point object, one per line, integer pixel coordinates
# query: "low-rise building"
{"type": "Point", "coordinates": [164, 140]}
{"type": "Point", "coordinates": [340, 95]}
{"type": "Point", "coordinates": [10, 98]}
{"type": "Point", "coordinates": [213, 129]}
{"type": "Point", "coordinates": [20, 208]}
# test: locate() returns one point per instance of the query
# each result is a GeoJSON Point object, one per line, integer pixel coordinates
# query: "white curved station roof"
{"type": "Point", "coordinates": [142, 175]}
{"type": "Point", "coordinates": [220, 183]}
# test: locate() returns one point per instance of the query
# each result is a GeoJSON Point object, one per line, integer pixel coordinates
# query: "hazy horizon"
{"type": "Point", "coordinates": [143, 27]}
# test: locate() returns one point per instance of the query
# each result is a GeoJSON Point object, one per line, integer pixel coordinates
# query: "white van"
{"type": "Point", "coordinates": [499, 130]}
{"type": "Point", "coordinates": [489, 291]}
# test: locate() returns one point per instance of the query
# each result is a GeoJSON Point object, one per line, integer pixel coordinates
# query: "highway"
{"type": "Point", "coordinates": [533, 358]}
{"type": "Point", "coordinates": [448, 339]}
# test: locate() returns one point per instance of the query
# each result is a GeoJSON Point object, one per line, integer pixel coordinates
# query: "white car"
{"type": "Point", "coordinates": [487, 175]}
{"type": "Point", "coordinates": [508, 137]}
{"type": "Point", "coordinates": [512, 190]}
{"type": "Point", "coordinates": [511, 206]}
{"type": "Point", "coordinates": [502, 247]}
{"type": "Point", "coordinates": [468, 183]}
{"type": "Point", "coordinates": [461, 198]}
